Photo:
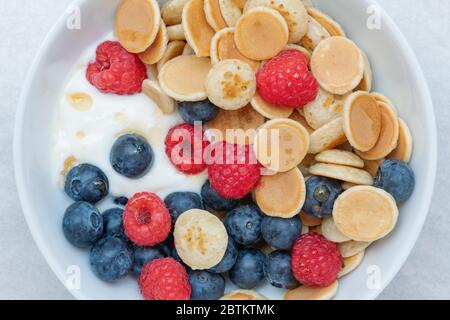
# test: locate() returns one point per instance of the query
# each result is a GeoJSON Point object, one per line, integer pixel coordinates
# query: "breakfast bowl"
{"type": "Point", "coordinates": [397, 74]}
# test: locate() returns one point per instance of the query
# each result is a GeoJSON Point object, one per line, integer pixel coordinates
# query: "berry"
{"type": "Point", "coordinates": [277, 269]}
{"type": "Point", "coordinates": [233, 171]}
{"type": "Point", "coordinates": [110, 259]}
{"type": "Point", "coordinates": [115, 70]}
{"type": "Point", "coordinates": [321, 193]}
{"type": "Point", "coordinates": [397, 178]}
{"type": "Point", "coordinates": [286, 81]}
{"type": "Point", "coordinates": [180, 202]}
{"type": "Point", "coordinates": [164, 279]}
{"type": "Point", "coordinates": [215, 201]}
{"type": "Point", "coordinates": [206, 285]}
{"type": "Point", "coordinates": [146, 219]}
{"type": "Point", "coordinates": [166, 246]}
{"type": "Point", "coordinates": [281, 233]}
{"type": "Point", "coordinates": [112, 223]}
{"type": "Point", "coordinates": [131, 156]}
{"type": "Point", "coordinates": [82, 224]}
{"type": "Point", "coordinates": [228, 260]}
{"type": "Point", "coordinates": [185, 145]}
{"type": "Point", "coordinates": [202, 111]}
{"type": "Point", "coordinates": [316, 261]}
{"type": "Point", "coordinates": [248, 271]}
{"type": "Point", "coordinates": [121, 201]}
{"type": "Point", "coordinates": [86, 182]}
{"type": "Point", "coordinates": [144, 255]}
{"type": "Point", "coordinates": [244, 224]}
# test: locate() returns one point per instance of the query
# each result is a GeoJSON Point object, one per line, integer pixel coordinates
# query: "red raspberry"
{"type": "Point", "coordinates": [115, 70]}
{"type": "Point", "coordinates": [233, 170]}
{"type": "Point", "coordinates": [286, 81]}
{"type": "Point", "coordinates": [316, 261]}
{"type": "Point", "coordinates": [146, 219]}
{"type": "Point", "coordinates": [185, 145]}
{"type": "Point", "coordinates": [164, 279]}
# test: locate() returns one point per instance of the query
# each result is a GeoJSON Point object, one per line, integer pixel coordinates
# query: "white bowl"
{"type": "Point", "coordinates": [397, 74]}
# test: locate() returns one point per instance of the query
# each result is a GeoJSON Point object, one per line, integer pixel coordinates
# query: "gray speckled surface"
{"type": "Point", "coordinates": [24, 274]}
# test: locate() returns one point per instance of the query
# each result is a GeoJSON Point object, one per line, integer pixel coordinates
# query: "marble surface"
{"type": "Point", "coordinates": [24, 274]}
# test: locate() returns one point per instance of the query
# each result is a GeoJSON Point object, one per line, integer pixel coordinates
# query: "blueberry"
{"type": "Point", "coordinates": [228, 260]}
{"type": "Point", "coordinates": [244, 224]}
{"type": "Point", "coordinates": [203, 111]}
{"type": "Point", "coordinates": [277, 269]}
{"type": "Point", "coordinates": [206, 285]}
{"type": "Point", "coordinates": [397, 178]}
{"type": "Point", "coordinates": [180, 202]}
{"type": "Point", "coordinates": [321, 193]}
{"type": "Point", "coordinates": [144, 255]}
{"type": "Point", "coordinates": [86, 182]}
{"type": "Point", "coordinates": [121, 201]}
{"type": "Point", "coordinates": [131, 156]}
{"type": "Point", "coordinates": [82, 224]}
{"type": "Point", "coordinates": [166, 246]}
{"type": "Point", "coordinates": [112, 223]}
{"type": "Point", "coordinates": [248, 270]}
{"type": "Point", "coordinates": [215, 201]}
{"type": "Point", "coordinates": [281, 233]}
{"type": "Point", "coordinates": [111, 259]}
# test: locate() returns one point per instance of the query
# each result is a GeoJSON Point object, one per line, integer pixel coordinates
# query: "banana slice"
{"type": "Point", "coordinates": [268, 110]}
{"type": "Point", "coordinates": [296, 116]}
{"type": "Point", "coordinates": [351, 248]}
{"type": "Point", "coordinates": [333, 28]}
{"type": "Point", "coordinates": [231, 84]}
{"type": "Point", "coordinates": [324, 109]}
{"type": "Point", "coordinates": [366, 82]}
{"type": "Point", "coordinates": [312, 293]}
{"type": "Point", "coordinates": [293, 11]}
{"type": "Point", "coordinates": [200, 239]}
{"type": "Point", "coordinates": [155, 52]}
{"type": "Point", "coordinates": [327, 137]}
{"type": "Point", "coordinates": [174, 49]}
{"type": "Point", "coordinates": [343, 173]}
{"type": "Point", "coordinates": [172, 11]}
{"type": "Point", "coordinates": [351, 263]}
{"type": "Point", "coordinates": [176, 32]}
{"type": "Point", "coordinates": [196, 28]}
{"type": "Point", "coordinates": [315, 34]}
{"type": "Point", "coordinates": [331, 232]}
{"type": "Point", "coordinates": [261, 33]}
{"type": "Point", "coordinates": [365, 213]}
{"type": "Point", "coordinates": [214, 15]}
{"type": "Point", "coordinates": [310, 221]}
{"type": "Point", "coordinates": [404, 148]}
{"type": "Point", "coordinates": [340, 157]}
{"type": "Point", "coordinates": [152, 90]}
{"type": "Point", "coordinates": [230, 12]}
{"type": "Point", "coordinates": [243, 295]}
{"type": "Point", "coordinates": [183, 78]}
{"type": "Point", "coordinates": [281, 195]}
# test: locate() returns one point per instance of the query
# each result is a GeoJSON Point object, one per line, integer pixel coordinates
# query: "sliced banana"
{"type": "Point", "coordinates": [324, 109]}
{"type": "Point", "coordinates": [214, 15]}
{"type": "Point", "coordinates": [268, 110]}
{"type": "Point", "coordinates": [366, 82]}
{"type": "Point", "coordinates": [343, 173]}
{"type": "Point", "coordinates": [230, 12]}
{"type": "Point", "coordinates": [352, 248]}
{"type": "Point", "coordinates": [172, 10]}
{"type": "Point", "coordinates": [333, 28]}
{"type": "Point", "coordinates": [152, 89]}
{"type": "Point", "coordinates": [155, 52]}
{"type": "Point", "coordinates": [351, 263]}
{"type": "Point", "coordinates": [404, 148]}
{"type": "Point", "coordinates": [174, 49]}
{"type": "Point", "coordinates": [196, 28]}
{"type": "Point", "coordinates": [200, 239]}
{"type": "Point", "coordinates": [310, 221]}
{"type": "Point", "coordinates": [371, 166]}
{"type": "Point", "coordinates": [327, 137]}
{"type": "Point", "coordinates": [243, 295]}
{"type": "Point", "coordinates": [331, 232]}
{"type": "Point", "coordinates": [312, 293]}
{"type": "Point", "coordinates": [340, 157]}
{"type": "Point", "coordinates": [315, 34]}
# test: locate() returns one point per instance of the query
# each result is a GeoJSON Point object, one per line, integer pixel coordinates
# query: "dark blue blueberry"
{"type": "Point", "coordinates": [121, 201]}
{"type": "Point", "coordinates": [180, 202]}
{"type": "Point", "coordinates": [281, 233]}
{"type": "Point", "coordinates": [144, 255]}
{"type": "Point", "coordinates": [86, 182]}
{"type": "Point", "coordinates": [131, 156]}
{"type": "Point", "coordinates": [166, 246]}
{"type": "Point", "coordinates": [277, 269]}
{"type": "Point", "coordinates": [111, 259]}
{"type": "Point", "coordinates": [244, 224]}
{"type": "Point", "coordinates": [202, 111]}
{"type": "Point", "coordinates": [215, 201]}
{"type": "Point", "coordinates": [321, 193]}
{"type": "Point", "coordinates": [82, 224]}
{"type": "Point", "coordinates": [248, 270]}
{"type": "Point", "coordinates": [112, 223]}
{"type": "Point", "coordinates": [228, 260]}
{"type": "Point", "coordinates": [206, 285]}
{"type": "Point", "coordinates": [397, 178]}
{"type": "Point", "coordinates": [174, 254]}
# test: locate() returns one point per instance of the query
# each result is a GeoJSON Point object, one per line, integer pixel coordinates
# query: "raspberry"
{"type": "Point", "coordinates": [286, 81]}
{"type": "Point", "coordinates": [316, 261]}
{"type": "Point", "coordinates": [164, 279]}
{"type": "Point", "coordinates": [185, 145]}
{"type": "Point", "coordinates": [146, 219]}
{"type": "Point", "coordinates": [233, 171]}
{"type": "Point", "coordinates": [115, 70]}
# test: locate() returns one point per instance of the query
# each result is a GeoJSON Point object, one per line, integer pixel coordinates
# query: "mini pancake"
{"type": "Point", "coordinates": [382, 98]}
{"type": "Point", "coordinates": [155, 52]}
{"type": "Point", "coordinates": [365, 213]}
{"type": "Point", "coordinates": [388, 138]}
{"type": "Point", "coordinates": [366, 82]}
{"type": "Point", "coordinates": [137, 24]}
{"type": "Point", "coordinates": [172, 11]}
{"type": "Point", "coordinates": [152, 90]}
{"type": "Point", "coordinates": [352, 248]}
{"type": "Point", "coordinates": [281, 195]}
{"type": "Point", "coordinates": [351, 263]}
{"type": "Point", "coordinates": [243, 295]}
{"type": "Point", "coordinates": [347, 185]}
{"type": "Point", "coordinates": [281, 144]}
{"type": "Point", "coordinates": [404, 148]}
{"type": "Point", "coordinates": [308, 3]}
{"type": "Point", "coordinates": [183, 78]}
{"type": "Point", "coordinates": [201, 239]}
{"type": "Point", "coordinates": [315, 34]}
{"type": "Point", "coordinates": [261, 33]}
{"type": "Point", "coordinates": [241, 125]}
{"type": "Point", "coordinates": [371, 166]}
{"type": "Point", "coordinates": [340, 157]}
{"type": "Point", "coordinates": [327, 137]}
{"type": "Point", "coordinates": [296, 116]}
{"type": "Point", "coordinates": [362, 120]}
{"type": "Point", "coordinates": [333, 28]}
{"type": "Point", "coordinates": [297, 47]}
{"type": "Point", "coordinates": [214, 15]}
{"type": "Point", "coordinates": [268, 110]}
{"type": "Point", "coordinates": [187, 51]}
{"type": "Point", "coordinates": [338, 65]}
{"type": "Point", "coordinates": [342, 173]}
{"type": "Point", "coordinates": [309, 221]}
{"type": "Point", "coordinates": [240, 3]}
{"type": "Point", "coordinates": [230, 12]}
{"type": "Point", "coordinates": [324, 109]}
{"type": "Point", "coordinates": [293, 11]}
{"type": "Point", "coordinates": [231, 84]}
{"type": "Point", "coordinates": [331, 232]}
{"type": "Point", "coordinates": [152, 72]}
{"type": "Point", "coordinates": [196, 28]}
{"type": "Point", "coordinates": [174, 49]}
{"type": "Point", "coordinates": [345, 146]}
{"type": "Point", "coordinates": [312, 293]}
{"type": "Point", "coordinates": [176, 32]}
{"type": "Point", "coordinates": [223, 48]}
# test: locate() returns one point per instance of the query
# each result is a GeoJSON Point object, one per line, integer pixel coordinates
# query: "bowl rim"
{"type": "Point", "coordinates": [29, 210]}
